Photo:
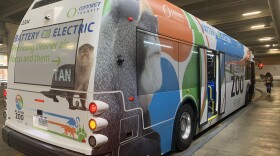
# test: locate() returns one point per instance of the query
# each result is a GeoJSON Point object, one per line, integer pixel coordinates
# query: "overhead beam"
{"type": "Point", "coordinates": [247, 36]}
{"type": "Point", "coordinates": [233, 31]}
{"type": "Point", "coordinates": [263, 47]}
{"type": "Point", "coordinates": [260, 49]}
{"type": "Point", "coordinates": [181, 3]}
{"type": "Point", "coordinates": [274, 7]}
{"type": "Point", "coordinates": [238, 19]}
{"type": "Point", "coordinates": [265, 19]}
{"type": "Point", "coordinates": [218, 5]}
{"type": "Point", "coordinates": [13, 9]}
{"type": "Point", "coordinates": [250, 43]}
{"type": "Point", "coordinates": [10, 21]}
{"type": "Point", "coordinates": [266, 54]}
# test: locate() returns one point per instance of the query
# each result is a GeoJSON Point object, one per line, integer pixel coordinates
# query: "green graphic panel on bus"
{"type": "Point", "coordinates": [191, 80]}
{"type": "Point", "coordinates": [191, 75]}
{"type": "Point", "coordinates": [107, 7]}
{"type": "Point", "coordinates": [198, 38]}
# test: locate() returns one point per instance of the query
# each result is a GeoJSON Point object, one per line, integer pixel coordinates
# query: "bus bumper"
{"type": "Point", "coordinates": [30, 146]}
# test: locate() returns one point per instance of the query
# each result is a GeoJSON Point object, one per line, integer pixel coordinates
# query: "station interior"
{"type": "Point", "coordinates": [250, 131]}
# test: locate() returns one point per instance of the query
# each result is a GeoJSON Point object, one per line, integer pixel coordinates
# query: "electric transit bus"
{"type": "Point", "coordinates": [119, 77]}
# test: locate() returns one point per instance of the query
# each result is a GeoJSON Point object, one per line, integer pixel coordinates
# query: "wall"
{"type": "Point", "coordinates": [12, 30]}
{"type": "Point", "coordinates": [271, 64]}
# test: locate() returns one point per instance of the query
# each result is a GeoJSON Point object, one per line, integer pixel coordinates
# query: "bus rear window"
{"type": "Point", "coordinates": [47, 55]}
{"type": "Point", "coordinates": [44, 3]}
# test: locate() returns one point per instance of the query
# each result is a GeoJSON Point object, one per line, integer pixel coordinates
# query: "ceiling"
{"type": "Point", "coordinates": [226, 15]}
{"type": "Point", "coordinates": [13, 10]}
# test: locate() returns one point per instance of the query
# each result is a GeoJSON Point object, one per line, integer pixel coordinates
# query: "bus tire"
{"type": "Point", "coordinates": [184, 127]}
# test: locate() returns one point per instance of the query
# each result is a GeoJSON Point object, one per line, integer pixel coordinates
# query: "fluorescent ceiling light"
{"type": "Point", "coordinates": [251, 13]}
{"type": "Point", "coordinates": [257, 26]}
{"type": "Point", "coordinates": [265, 39]}
{"type": "Point", "coordinates": [274, 49]}
{"type": "Point", "coordinates": [267, 45]}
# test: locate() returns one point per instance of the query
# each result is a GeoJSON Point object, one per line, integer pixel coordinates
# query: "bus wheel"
{"type": "Point", "coordinates": [184, 127]}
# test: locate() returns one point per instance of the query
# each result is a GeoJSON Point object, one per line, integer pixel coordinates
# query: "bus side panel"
{"type": "Point", "coordinates": [235, 83]}
{"type": "Point", "coordinates": [116, 81]}
{"type": "Point", "coordinates": [157, 92]}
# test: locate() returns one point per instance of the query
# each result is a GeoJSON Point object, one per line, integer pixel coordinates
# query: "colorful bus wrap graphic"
{"type": "Point", "coordinates": [145, 59]}
{"type": "Point", "coordinates": [166, 69]}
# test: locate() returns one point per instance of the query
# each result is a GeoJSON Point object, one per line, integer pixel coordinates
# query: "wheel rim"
{"type": "Point", "coordinates": [185, 122]}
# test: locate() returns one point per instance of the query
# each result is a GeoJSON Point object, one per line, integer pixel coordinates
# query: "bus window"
{"type": "Point", "coordinates": [211, 66]}
{"type": "Point", "coordinates": [152, 66]}
{"type": "Point", "coordinates": [47, 60]}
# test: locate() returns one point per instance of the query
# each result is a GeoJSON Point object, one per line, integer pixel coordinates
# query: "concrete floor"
{"type": "Point", "coordinates": [255, 132]}
{"type": "Point", "coordinates": [5, 150]}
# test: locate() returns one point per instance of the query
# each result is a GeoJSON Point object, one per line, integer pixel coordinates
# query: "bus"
{"type": "Point", "coordinates": [119, 77]}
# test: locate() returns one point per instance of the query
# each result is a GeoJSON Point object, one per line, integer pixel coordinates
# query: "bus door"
{"type": "Point", "coordinates": [222, 89]}
{"type": "Point", "coordinates": [213, 85]}
{"type": "Point", "coordinates": [203, 86]}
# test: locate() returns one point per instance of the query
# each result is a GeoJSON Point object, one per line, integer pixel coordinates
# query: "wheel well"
{"type": "Point", "coordinates": [191, 102]}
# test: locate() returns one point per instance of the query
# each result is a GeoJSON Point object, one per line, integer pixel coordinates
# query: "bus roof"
{"type": "Point", "coordinates": [177, 23]}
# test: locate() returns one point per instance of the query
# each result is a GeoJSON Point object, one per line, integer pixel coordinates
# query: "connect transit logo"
{"type": "Point", "coordinates": [19, 102]}
{"type": "Point", "coordinates": [72, 12]}
{"type": "Point", "coordinates": [166, 11]}
{"type": "Point", "coordinates": [85, 9]}
{"type": "Point", "coordinates": [171, 13]}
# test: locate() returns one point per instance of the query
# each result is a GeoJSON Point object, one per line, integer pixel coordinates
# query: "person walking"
{"type": "Point", "coordinates": [268, 83]}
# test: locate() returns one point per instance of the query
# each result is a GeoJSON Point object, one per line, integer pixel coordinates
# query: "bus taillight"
{"type": "Point", "coordinates": [130, 19]}
{"type": "Point", "coordinates": [92, 141]}
{"type": "Point", "coordinates": [92, 108]}
{"type": "Point", "coordinates": [97, 123]}
{"type": "Point", "coordinates": [5, 93]}
{"type": "Point", "coordinates": [92, 124]}
{"type": "Point", "coordinates": [98, 107]}
{"type": "Point", "coordinates": [97, 140]}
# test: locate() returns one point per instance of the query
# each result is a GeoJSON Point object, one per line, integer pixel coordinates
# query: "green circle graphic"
{"type": "Point", "coordinates": [70, 13]}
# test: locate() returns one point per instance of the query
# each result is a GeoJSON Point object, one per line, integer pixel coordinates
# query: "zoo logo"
{"type": "Point", "coordinates": [72, 12]}
{"type": "Point", "coordinates": [19, 102]}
